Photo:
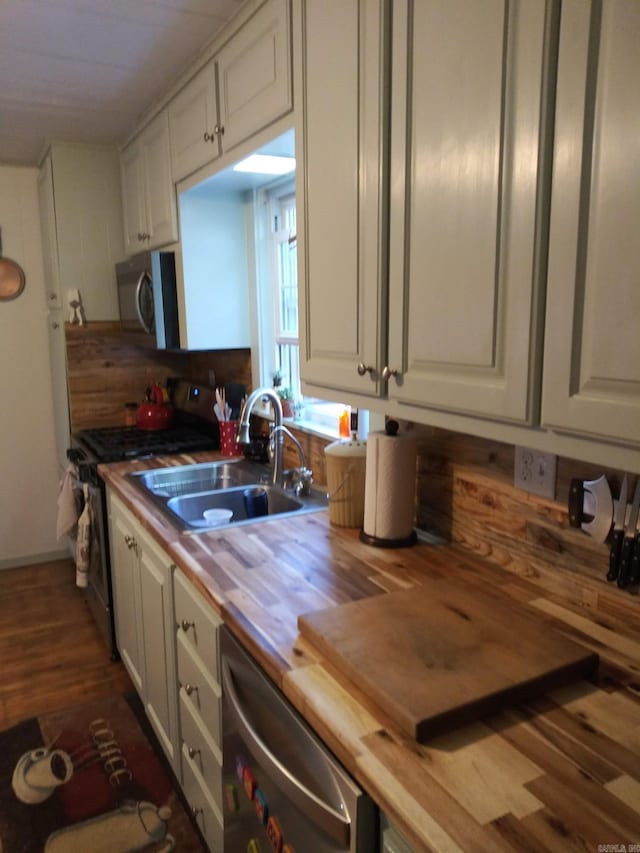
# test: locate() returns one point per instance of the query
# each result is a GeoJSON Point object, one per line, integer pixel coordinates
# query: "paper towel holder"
{"type": "Point", "coordinates": [391, 428]}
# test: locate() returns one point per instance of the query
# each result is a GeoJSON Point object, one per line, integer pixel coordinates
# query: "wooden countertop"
{"type": "Point", "coordinates": [559, 773]}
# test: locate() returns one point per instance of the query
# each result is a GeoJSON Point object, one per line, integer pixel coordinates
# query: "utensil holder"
{"type": "Point", "coordinates": [228, 444]}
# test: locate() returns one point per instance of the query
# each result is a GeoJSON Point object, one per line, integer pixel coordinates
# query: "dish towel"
{"type": "Point", "coordinates": [67, 506]}
{"type": "Point", "coordinates": [83, 544]}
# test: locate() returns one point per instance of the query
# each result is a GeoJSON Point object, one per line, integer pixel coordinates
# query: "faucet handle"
{"type": "Point", "coordinates": [299, 479]}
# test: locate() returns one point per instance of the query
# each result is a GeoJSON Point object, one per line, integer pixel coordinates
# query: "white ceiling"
{"type": "Point", "coordinates": [85, 70]}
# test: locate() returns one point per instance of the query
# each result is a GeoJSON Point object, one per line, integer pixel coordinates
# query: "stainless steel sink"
{"type": "Point", "coordinates": [186, 492]}
{"type": "Point", "coordinates": [201, 477]}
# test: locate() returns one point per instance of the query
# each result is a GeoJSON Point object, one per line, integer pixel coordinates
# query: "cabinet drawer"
{"type": "Point", "coordinates": [201, 692]}
{"type": "Point", "coordinates": [196, 740]}
{"type": "Point", "coordinates": [202, 806]}
{"type": "Point", "coordinates": [197, 623]}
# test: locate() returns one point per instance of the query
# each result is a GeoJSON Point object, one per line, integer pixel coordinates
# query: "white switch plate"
{"type": "Point", "coordinates": [535, 472]}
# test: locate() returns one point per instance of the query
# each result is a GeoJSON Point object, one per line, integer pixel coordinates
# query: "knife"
{"type": "Point", "coordinates": [617, 535]}
{"type": "Point", "coordinates": [634, 572]}
{"type": "Point", "coordinates": [629, 540]}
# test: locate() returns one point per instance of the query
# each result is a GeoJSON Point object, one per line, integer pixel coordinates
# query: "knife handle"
{"type": "Point", "coordinates": [614, 555]}
{"type": "Point", "coordinates": [634, 571]}
{"type": "Point", "coordinates": [625, 562]}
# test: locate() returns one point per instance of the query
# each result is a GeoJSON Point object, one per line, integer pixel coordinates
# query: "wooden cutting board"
{"type": "Point", "coordinates": [443, 655]}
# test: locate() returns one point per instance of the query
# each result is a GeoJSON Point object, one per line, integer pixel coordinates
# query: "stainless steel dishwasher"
{"type": "Point", "coordinates": [283, 790]}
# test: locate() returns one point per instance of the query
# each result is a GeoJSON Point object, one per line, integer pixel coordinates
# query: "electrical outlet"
{"type": "Point", "coordinates": [535, 472]}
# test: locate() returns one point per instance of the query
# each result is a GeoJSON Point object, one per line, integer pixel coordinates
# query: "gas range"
{"type": "Point", "coordinates": [114, 444]}
{"type": "Point", "coordinates": [194, 428]}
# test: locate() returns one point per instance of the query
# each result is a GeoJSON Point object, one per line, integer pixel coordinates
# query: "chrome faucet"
{"type": "Point", "coordinates": [278, 437]}
{"type": "Point", "coordinates": [299, 479]}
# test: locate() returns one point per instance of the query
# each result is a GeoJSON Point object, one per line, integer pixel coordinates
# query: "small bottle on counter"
{"type": "Point", "coordinates": [344, 423]}
{"type": "Point", "coordinates": [130, 410]}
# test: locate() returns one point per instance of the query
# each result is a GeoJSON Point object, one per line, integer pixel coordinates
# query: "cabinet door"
{"type": "Point", "coordinates": [58, 358]}
{"type": "Point", "coordinates": [468, 189]}
{"type": "Point", "coordinates": [126, 590]}
{"type": "Point", "coordinates": [592, 340]}
{"type": "Point", "coordinates": [159, 190]}
{"type": "Point", "coordinates": [342, 246]}
{"type": "Point", "coordinates": [193, 124]}
{"type": "Point", "coordinates": [49, 236]}
{"type": "Point", "coordinates": [158, 627]}
{"type": "Point", "coordinates": [254, 74]}
{"type": "Point", "coordinates": [133, 202]}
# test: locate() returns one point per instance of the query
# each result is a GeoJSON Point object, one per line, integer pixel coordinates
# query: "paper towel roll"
{"type": "Point", "coordinates": [389, 496]}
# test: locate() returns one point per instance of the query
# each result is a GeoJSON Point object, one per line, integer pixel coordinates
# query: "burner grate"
{"type": "Point", "coordinates": [111, 444]}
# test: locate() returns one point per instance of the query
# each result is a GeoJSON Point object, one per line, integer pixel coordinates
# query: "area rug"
{"type": "Point", "coordinates": [90, 779]}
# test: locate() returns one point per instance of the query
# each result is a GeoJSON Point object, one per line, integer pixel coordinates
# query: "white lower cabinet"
{"type": "Point", "coordinates": [200, 708]}
{"type": "Point", "coordinates": [143, 598]}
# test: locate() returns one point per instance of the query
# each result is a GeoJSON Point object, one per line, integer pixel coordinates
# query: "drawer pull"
{"type": "Point", "coordinates": [191, 752]}
{"type": "Point", "coordinates": [189, 688]}
{"type": "Point", "coordinates": [186, 625]}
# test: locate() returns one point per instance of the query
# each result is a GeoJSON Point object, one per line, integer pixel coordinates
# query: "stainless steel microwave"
{"type": "Point", "coordinates": [148, 299]}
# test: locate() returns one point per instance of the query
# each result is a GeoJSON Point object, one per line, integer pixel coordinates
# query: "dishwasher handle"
{"type": "Point", "coordinates": [332, 822]}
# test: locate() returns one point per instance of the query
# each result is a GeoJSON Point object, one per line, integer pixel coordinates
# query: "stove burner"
{"type": "Point", "coordinates": [111, 444]}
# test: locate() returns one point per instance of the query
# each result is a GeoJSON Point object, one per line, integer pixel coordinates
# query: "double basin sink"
{"type": "Point", "coordinates": [186, 492]}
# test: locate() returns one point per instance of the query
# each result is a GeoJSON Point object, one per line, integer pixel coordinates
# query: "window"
{"type": "Point", "coordinates": [277, 304]}
{"type": "Point", "coordinates": [284, 289]}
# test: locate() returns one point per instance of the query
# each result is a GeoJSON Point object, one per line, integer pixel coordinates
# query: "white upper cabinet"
{"type": "Point", "coordinates": [254, 74]}
{"type": "Point", "coordinates": [341, 194]}
{"type": "Point", "coordinates": [246, 86]}
{"type": "Point", "coordinates": [467, 186]}
{"type": "Point", "coordinates": [193, 123]}
{"type": "Point", "coordinates": [148, 192]}
{"type": "Point", "coordinates": [81, 223]}
{"type": "Point", "coordinates": [592, 338]}
{"type": "Point", "coordinates": [447, 189]}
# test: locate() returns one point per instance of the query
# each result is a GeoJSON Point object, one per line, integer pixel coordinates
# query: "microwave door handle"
{"type": "Point", "coordinates": [335, 824]}
{"type": "Point", "coordinates": [144, 279]}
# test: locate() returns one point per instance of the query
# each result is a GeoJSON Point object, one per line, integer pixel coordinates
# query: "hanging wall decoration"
{"type": "Point", "coordinates": [11, 277]}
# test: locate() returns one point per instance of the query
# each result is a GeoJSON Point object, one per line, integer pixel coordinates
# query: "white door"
{"type": "Point", "coordinates": [466, 181]}
{"type": "Point", "coordinates": [193, 124]}
{"type": "Point", "coordinates": [159, 189]}
{"type": "Point", "coordinates": [592, 339]}
{"type": "Point", "coordinates": [341, 195]}
{"type": "Point", "coordinates": [254, 74]}
{"type": "Point", "coordinates": [133, 202]}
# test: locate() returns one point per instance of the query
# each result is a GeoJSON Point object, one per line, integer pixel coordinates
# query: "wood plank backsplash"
{"type": "Point", "coordinates": [465, 493]}
{"type": "Point", "coordinates": [464, 485]}
{"type": "Point", "coordinates": [103, 373]}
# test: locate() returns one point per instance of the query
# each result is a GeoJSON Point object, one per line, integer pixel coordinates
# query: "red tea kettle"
{"type": "Point", "coordinates": [155, 412]}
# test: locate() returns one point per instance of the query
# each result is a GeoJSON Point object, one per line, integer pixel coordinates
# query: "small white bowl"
{"type": "Point", "coordinates": [217, 516]}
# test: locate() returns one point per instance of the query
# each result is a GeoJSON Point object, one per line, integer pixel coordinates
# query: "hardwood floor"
{"type": "Point", "coordinates": [51, 652]}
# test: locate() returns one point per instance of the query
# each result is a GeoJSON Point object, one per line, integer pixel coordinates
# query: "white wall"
{"type": "Point", "coordinates": [28, 467]}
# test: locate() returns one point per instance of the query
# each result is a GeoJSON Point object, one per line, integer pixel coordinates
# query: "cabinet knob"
{"type": "Point", "coordinates": [186, 625]}
{"type": "Point", "coordinates": [219, 129]}
{"type": "Point", "coordinates": [207, 136]}
{"type": "Point", "coordinates": [191, 752]}
{"type": "Point", "coordinates": [195, 811]}
{"type": "Point", "coordinates": [55, 325]}
{"type": "Point", "coordinates": [130, 541]}
{"type": "Point", "coordinates": [365, 368]}
{"type": "Point", "coordinates": [53, 296]}
{"type": "Point", "coordinates": [387, 373]}
{"type": "Point", "coordinates": [190, 688]}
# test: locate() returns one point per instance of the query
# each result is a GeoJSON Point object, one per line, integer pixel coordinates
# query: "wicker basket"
{"type": "Point", "coordinates": [346, 464]}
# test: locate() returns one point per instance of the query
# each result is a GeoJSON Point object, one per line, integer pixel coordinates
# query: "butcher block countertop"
{"type": "Point", "coordinates": [559, 773]}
